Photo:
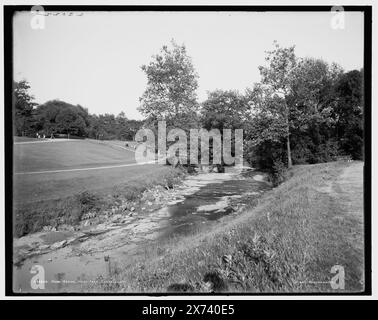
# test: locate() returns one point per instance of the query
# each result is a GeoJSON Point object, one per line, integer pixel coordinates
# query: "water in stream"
{"type": "Point", "coordinates": [201, 200]}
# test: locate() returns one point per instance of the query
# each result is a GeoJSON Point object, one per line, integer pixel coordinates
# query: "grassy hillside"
{"type": "Point", "coordinates": [63, 155]}
{"type": "Point", "coordinates": [42, 197]}
{"type": "Point", "coordinates": [57, 155]}
{"type": "Point", "coordinates": [287, 243]}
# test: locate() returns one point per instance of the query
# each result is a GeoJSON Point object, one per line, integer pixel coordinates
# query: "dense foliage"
{"type": "Point", "coordinates": [171, 86]}
{"type": "Point", "coordinates": [318, 119]}
{"type": "Point", "coordinates": [22, 108]}
{"type": "Point", "coordinates": [304, 110]}
{"type": "Point", "coordinates": [55, 118]}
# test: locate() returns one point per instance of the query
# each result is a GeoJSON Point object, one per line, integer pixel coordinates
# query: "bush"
{"type": "Point", "coordinates": [87, 201]}
{"type": "Point", "coordinates": [301, 151]}
{"type": "Point", "coordinates": [264, 155]}
{"type": "Point", "coordinates": [352, 144]}
{"type": "Point", "coordinates": [133, 192]}
{"type": "Point", "coordinates": [27, 221]}
{"type": "Point", "coordinates": [278, 172]}
{"type": "Point", "coordinates": [328, 151]}
{"type": "Point", "coordinates": [171, 179]}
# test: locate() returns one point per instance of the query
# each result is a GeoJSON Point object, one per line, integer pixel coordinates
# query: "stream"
{"type": "Point", "coordinates": [72, 259]}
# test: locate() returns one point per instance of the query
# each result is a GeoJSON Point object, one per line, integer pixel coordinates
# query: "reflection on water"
{"type": "Point", "coordinates": [211, 202]}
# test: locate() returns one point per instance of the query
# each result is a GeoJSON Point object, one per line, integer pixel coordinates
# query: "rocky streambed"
{"type": "Point", "coordinates": [72, 257]}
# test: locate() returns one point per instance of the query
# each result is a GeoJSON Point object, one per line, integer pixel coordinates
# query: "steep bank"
{"type": "Point", "coordinates": [288, 243]}
{"type": "Point", "coordinates": [91, 200]}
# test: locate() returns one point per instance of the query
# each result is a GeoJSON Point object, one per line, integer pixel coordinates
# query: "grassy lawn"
{"type": "Point", "coordinates": [40, 199]}
{"type": "Point", "coordinates": [29, 188]}
{"type": "Point", "coordinates": [24, 139]}
{"type": "Point", "coordinates": [287, 243]}
{"type": "Point", "coordinates": [55, 155]}
{"type": "Point", "coordinates": [121, 143]}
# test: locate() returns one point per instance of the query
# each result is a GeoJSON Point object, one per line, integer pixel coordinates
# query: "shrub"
{"type": "Point", "coordinates": [327, 151]}
{"type": "Point", "coordinates": [171, 179]}
{"type": "Point", "coordinates": [133, 192]}
{"type": "Point", "coordinates": [278, 172]}
{"type": "Point", "coordinates": [27, 221]}
{"type": "Point", "coordinates": [302, 150]}
{"type": "Point", "coordinates": [87, 201]}
{"type": "Point", "coordinates": [263, 155]}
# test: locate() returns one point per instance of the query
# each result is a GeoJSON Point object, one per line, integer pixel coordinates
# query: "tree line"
{"type": "Point", "coordinates": [303, 110]}
{"type": "Point", "coordinates": [59, 118]}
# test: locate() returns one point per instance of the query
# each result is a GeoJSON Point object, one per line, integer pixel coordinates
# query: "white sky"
{"type": "Point", "coordinates": [94, 60]}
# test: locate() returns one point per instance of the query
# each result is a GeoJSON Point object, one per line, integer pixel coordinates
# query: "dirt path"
{"type": "Point", "coordinates": [348, 192]}
{"type": "Point", "coordinates": [343, 222]}
{"type": "Point", "coordinates": [351, 192]}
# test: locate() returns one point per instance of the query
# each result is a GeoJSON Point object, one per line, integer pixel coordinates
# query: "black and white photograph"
{"type": "Point", "coordinates": [180, 151]}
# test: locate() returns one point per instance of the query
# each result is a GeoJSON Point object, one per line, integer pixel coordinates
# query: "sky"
{"type": "Point", "coordinates": [95, 59]}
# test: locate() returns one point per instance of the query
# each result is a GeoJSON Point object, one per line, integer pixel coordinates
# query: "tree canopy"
{"type": "Point", "coordinates": [59, 117]}
{"type": "Point", "coordinates": [303, 110]}
{"type": "Point", "coordinates": [171, 85]}
{"type": "Point", "coordinates": [22, 107]}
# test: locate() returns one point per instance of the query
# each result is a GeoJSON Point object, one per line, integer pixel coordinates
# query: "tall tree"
{"type": "Point", "coordinates": [60, 117]}
{"type": "Point", "coordinates": [171, 85]}
{"type": "Point", "coordinates": [266, 128]}
{"type": "Point", "coordinates": [23, 106]}
{"type": "Point", "coordinates": [70, 122]}
{"type": "Point", "coordinates": [224, 109]}
{"type": "Point", "coordinates": [277, 76]}
{"type": "Point", "coordinates": [349, 113]}
{"type": "Point", "coordinates": [313, 99]}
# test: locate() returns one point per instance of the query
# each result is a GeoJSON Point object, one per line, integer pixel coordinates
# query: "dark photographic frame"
{"type": "Point", "coordinates": [8, 125]}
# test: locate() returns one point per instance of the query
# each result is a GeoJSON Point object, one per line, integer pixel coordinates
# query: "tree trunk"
{"type": "Point", "coordinates": [289, 162]}
{"type": "Point", "coordinates": [288, 149]}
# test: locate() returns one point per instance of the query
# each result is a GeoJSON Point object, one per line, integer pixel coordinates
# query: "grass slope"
{"type": "Point", "coordinates": [287, 243]}
{"type": "Point", "coordinates": [55, 155]}
{"type": "Point", "coordinates": [47, 156]}
{"type": "Point", "coordinates": [41, 199]}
